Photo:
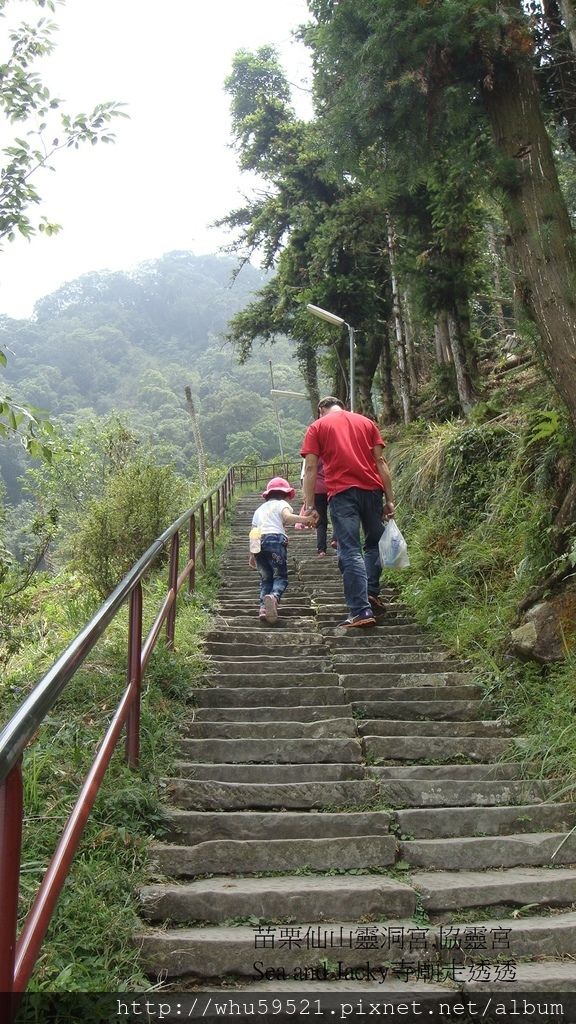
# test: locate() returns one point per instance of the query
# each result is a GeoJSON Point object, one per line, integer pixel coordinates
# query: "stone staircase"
{"type": "Point", "coordinates": [345, 805]}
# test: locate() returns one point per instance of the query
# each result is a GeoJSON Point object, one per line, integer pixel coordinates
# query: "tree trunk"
{"type": "Point", "coordinates": [403, 378]}
{"type": "Point", "coordinates": [496, 280]}
{"type": "Point", "coordinates": [540, 228]}
{"type": "Point", "coordinates": [197, 439]}
{"type": "Point", "coordinates": [410, 346]}
{"type": "Point", "coordinates": [367, 358]}
{"type": "Point", "coordinates": [569, 19]}
{"type": "Point", "coordinates": [389, 413]}
{"type": "Point", "coordinates": [458, 346]}
{"type": "Point", "coordinates": [562, 70]}
{"type": "Point", "coordinates": [307, 357]}
{"type": "Point", "coordinates": [442, 339]}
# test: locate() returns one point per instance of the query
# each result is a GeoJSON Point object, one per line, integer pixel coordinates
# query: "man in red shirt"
{"type": "Point", "coordinates": [357, 480]}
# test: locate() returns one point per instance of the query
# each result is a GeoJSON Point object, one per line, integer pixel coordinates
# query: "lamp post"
{"type": "Point", "coordinates": [331, 318]}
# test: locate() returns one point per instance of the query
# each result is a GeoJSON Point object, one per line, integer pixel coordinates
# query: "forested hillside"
{"type": "Point", "coordinates": [126, 345]}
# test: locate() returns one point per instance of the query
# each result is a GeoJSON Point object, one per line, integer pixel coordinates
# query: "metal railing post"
{"type": "Point", "coordinates": [218, 507]}
{"type": "Point", "coordinates": [192, 554]}
{"type": "Point", "coordinates": [173, 587]}
{"type": "Point", "coordinates": [203, 535]}
{"type": "Point", "coordinates": [211, 520]}
{"type": "Point", "coordinates": [11, 813]}
{"type": "Point", "coordinates": [134, 673]}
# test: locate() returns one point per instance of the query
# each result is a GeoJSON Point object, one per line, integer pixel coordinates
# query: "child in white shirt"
{"type": "Point", "coordinates": [271, 519]}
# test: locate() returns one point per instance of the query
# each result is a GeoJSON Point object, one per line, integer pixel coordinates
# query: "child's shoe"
{"type": "Point", "coordinates": [270, 608]}
{"type": "Point", "coordinates": [262, 615]}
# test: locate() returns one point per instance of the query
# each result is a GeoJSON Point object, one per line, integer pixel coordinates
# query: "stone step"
{"type": "Point", "coordinates": [270, 773]}
{"type": "Point", "coordinates": [224, 796]}
{"type": "Point", "coordinates": [268, 751]}
{"type": "Point", "coordinates": [285, 623]}
{"type": "Point", "coordinates": [412, 727]}
{"type": "Point", "coordinates": [435, 748]}
{"type": "Point", "coordinates": [326, 727]}
{"type": "Point", "coordinates": [291, 897]}
{"type": "Point", "coordinates": [217, 952]}
{"type": "Point", "coordinates": [273, 640]}
{"type": "Point", "coordinates": [230, 952]}
{"type": "Point", "coordinates": [440, 710]}
{"type": "Point", "coordinates": [451, 890]}
{"type": "Point", "coordinates": [298, 713]}
{"type": "Point", "coordinates": [200, 826]}
{"type": "Point", "coordinates": [357, 640]}
{"type": "Point", "coordinates": [249, 679]}
{"type": "Point", "coordinates": [373, 681]}
{"type": "Point", "coordinates": [235, 610]}
{"type": "Point", "coordinates": [480, 772]}
{"type": "Point", "coordinates": [458, 793]}
{"type": "Point", "coordinates": [436, 823]}
{"type": "Point", "coordinates": [555, 977]}
{"type": "Point", "coordinates": [366, 664]}
{"type": "Point", "coordinates": [248, 857]}
{"type": "Point", "coordinates": [390, 693]}
{"type": "Point", "coordinates": [295, 649]}
{"type": "Point", "coordinates": [480, 852]}
{"type": "Point", "coordinates": [269, 664]}
{"type": "Point", "coordinates": [238, 697]}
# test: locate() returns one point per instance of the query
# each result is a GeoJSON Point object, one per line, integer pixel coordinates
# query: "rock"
{"type": "Point", "coordinates": [545, 633]}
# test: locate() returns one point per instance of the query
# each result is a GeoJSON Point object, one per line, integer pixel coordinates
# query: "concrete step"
{"type": "Point", "coordinates": [451, 890]}
{"type": "Point", "coordinates": [200, 826]}
{"type": "Point", "coordinates": [248, 857]}
{"type": "Point", "coordinates": [298, 713]}
{"type": "Point", "coordinates": [411, 727]}
{"type": "Point", "coordinates": [326, 727]}
{"type": "Point", "coordinates": [249, 635]}
{"type": "Point", "coordinates": [292, 897]}
{"type": "Point", "coordinates": [270, 773]}
{"type": "Point", "coordinates": [435, 748]}
{"type": "Point", "coordinates": [268, 751]}
{"type": "Point", "coordinates": [436, 823]}
{"type": "Point", "coordinates": [226, 698]}
{"type": "Point", "coordinates": [224, 796]}
{"type": "Point", "coordinates": [480, 852]}
{"type": "Point", "coordinates": [457, 793]}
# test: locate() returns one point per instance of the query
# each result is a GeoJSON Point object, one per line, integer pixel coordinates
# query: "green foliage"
{"type": "Point", "coordinates": [476, 505]}
{"type": "Point", "coordinates": [138, 503]}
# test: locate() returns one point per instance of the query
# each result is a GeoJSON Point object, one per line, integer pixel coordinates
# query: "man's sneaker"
{"type": "Point", "coordinates": [377, 604]}
{"type": "Point", "coordinates": [364, 619]}
{"type": "Point", "coordinates": [270, 608]}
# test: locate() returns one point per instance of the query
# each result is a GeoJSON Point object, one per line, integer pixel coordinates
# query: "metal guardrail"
{"type": "Point", "coordinates": [18, 955]}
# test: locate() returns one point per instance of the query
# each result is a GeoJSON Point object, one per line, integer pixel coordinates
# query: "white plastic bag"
{"type": "Point", "coordinates": [255, 540]}
{"type": "Point", "coordinates": [392, 548]}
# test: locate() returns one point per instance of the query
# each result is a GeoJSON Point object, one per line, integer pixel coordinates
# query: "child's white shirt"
{"type": "Point", "coordinates": [268, 516]}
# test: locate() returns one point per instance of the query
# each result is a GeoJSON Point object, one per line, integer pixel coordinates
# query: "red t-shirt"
{"type": "Point", "coordinates": [345, 442]}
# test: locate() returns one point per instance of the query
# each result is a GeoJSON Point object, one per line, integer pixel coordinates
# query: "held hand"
{"type": "Point", "coordinates": [252, 562]}
{"type": "Point", "coordinates": [389, 509]}
{"type": "Point", "coordinates": [311, 515]}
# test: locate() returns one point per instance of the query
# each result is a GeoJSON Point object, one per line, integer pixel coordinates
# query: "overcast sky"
{"type": "Point", "coordinates": [171, 171]}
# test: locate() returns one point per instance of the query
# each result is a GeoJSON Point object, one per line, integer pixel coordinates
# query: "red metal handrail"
{"type": "Point", "coordinates": [18, 955]}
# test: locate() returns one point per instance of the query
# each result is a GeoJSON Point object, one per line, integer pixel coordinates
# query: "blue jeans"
{"type": "Point", "coordinates": [349, 510]}
{"type": "Point", "coordinates": [272, 562]}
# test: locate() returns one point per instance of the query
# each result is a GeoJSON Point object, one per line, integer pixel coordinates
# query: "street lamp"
{"type": "Point", "coordinates": [331, 318]}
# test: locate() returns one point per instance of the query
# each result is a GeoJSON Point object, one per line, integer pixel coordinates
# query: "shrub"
{"type": "Point", "coordinates": [137, 505]}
